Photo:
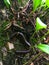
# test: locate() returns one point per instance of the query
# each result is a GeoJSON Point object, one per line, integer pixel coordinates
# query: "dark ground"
{"type": "Point", "coordinates": [17, 27]}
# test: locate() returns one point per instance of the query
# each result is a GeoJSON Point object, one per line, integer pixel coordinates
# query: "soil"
{"type": "Point", "coordinates": [17, 26]}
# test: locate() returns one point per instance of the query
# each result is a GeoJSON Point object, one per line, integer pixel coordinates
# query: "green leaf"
{"type": "Point", "coordinates": [7, 2]}
{"type": "Point", "coordinates": [39, 24]}
{"type": "Point", "coordinates": [47, 3]}
{"type": "Point", "coordinates": [44, 48]}
{"type": "Point", "coordinates": [36, 3]}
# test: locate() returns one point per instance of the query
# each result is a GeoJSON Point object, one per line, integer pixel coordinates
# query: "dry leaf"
{"type": "Point", "coordinates": [10, 45]}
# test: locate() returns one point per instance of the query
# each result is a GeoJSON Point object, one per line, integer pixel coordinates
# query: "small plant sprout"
{"type": "Point", "coordinates": [39, 24]}
{"type": "Point", "coordinates": [43, 47]}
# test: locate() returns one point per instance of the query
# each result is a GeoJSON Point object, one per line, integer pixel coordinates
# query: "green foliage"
{"type": "Point", "coordinates": [44, 48]}
{"type": "Point", "coordinates": [7, 2]}
{"type": "Point", "coordinates": [40, 3]}
{"type": "Point", "coordinates": [47, 3]}
{"type": "Point", "coordinates": [36, 3]}
{"type": "Point", "coordinates": [39, 24]}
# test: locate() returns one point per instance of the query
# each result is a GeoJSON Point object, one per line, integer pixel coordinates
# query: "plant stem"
{"type": "Point", "coordinates": [33, 34]}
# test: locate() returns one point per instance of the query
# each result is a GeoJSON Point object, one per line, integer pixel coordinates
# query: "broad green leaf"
{"type": "Point", "coordinates": [39, 24]}
{"type": "Point", "coordinates": [36, 3]}
{"type": "Point", "coordinates": [7, 2]}
{"type": "Point", "coordinates": [44, 48]}
{"type": "Point", "coordinates": [47, 3]}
